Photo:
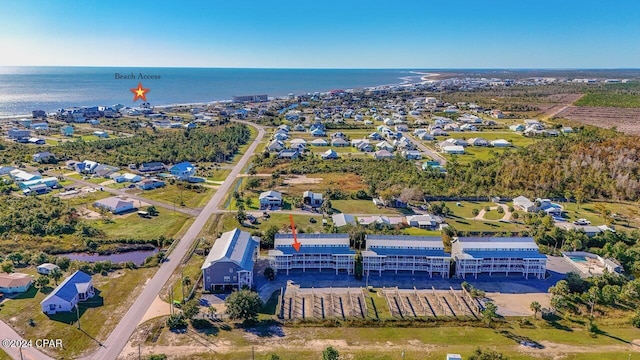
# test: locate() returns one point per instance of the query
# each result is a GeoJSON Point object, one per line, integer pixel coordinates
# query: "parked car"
{"type": "Point", "coordinates": [312, 220]}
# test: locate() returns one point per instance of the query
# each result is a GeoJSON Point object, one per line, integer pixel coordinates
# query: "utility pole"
{"type": "Point", "coordinates": [171, 301]}
{"type": "Point", "coordinates": [139, 353]}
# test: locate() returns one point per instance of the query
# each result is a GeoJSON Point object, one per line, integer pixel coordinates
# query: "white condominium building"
{"type": "Point", "coordinates": [317, 252]}
{"type": "Point", "coordinates": [406, 253]}
{"type": "Point", "coordinates": [488, 255]}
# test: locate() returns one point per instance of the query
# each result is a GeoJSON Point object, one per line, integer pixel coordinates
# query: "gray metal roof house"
{"type": "Point", "coordinates": [230, 262]}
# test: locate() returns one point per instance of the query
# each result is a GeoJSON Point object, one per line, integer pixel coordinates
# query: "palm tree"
{"type": "Point", "coordinates": [186, 281]}
{"type": "Point", "coordinates": [536, 308]}
{"type": "Point", "coordinates": [56, 275]}
{"type": "Point", "coordinates": [212, 311]}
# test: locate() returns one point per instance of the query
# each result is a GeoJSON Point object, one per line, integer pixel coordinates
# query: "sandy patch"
{"type": "Point", "coordinates": [518, 304]}
{"type": "Point", "coordinates": [301, 179]}
{"type": "Point", "coordinates": [158, 308]}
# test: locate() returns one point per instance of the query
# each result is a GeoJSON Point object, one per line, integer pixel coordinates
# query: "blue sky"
{"type": "Point", "coordinates": [322, 34]}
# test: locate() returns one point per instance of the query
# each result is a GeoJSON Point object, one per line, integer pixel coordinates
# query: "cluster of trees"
{"type": "Point", "coordinates": [38, 216]}
{"type": "Point", "coordinates": [575, 294]}
{"type": "Point", "coordinates": [215, 144]}
{"type": "Point", "coordinates": [594, 163]}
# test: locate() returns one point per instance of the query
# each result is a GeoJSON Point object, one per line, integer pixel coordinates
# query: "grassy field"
{"type": "Point", "coordinates": [96, 180]}
{"type": "Point", "coordinates": [87, 198]}
{"type": "Point", "coordinates": [567, 342]}
{"type": "Point", "coordinates": [98, 316]}
{"type": "Point", "coordinates": [420, 232]}
{"type": "Point", "coordinates": [131, 225]}
{"type": "Point", "coordinates": [173, 194]}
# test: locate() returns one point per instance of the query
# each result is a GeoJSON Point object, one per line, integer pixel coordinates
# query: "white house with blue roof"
{"type": "Point", "coordinates": [489, 255]}
{"type": "Point", "coordinates": [77, 287]}
{"type": "Point", "coordinates": [317, 252]}
{"type": "Point", "coordinates": [404, 253]}
{"type": "Point", "coordinates": [230, 262]}
{"type": "Point", "coordinates": [183, 170]}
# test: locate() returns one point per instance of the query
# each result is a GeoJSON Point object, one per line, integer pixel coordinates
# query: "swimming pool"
{"type": "Point", "coordinates": [578, 258]}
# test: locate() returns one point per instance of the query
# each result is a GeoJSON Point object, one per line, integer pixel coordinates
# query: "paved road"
{"type": "Point", "coordinates": [434, 155]}
{"type": "Point", "coordinates": [120, 335]}
{"type": "Point", "coordinates": [184, 210]}
{"type": "Point", "coordinates": [27, 353]}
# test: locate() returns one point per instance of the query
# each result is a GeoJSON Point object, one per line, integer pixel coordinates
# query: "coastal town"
{"type": "Point", "coordinates": [249, 219]}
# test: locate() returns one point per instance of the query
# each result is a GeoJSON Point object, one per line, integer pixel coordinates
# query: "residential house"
{"type": "Point", "coordinates": [438, 132]}
{"type": "Point", "coordinates": [289, 154]}
{"type": "Point", "coordinates": [296, 142]}
{"type": "Point", "coordinates": [41, 126]}
{"type": "Point", "coordinates": [567, 129]}
{"type": "Point", "coordinates": [478, 142]}
{"type": "Point", "coordinates": [339, 142]}
{"type": "Point", "coordinates": [16, 134]}
{"type": "Point", "coordinates": [5, 170]}
{"type": "Point", "coordinates": [275, 145]}
{"type": "Point", "coordinates": [44, 157]}
{"type": "Point", "coordinates": [500, 143]}
{"type": "Point", "coordinates": [282, 136]}
{"type": "Point", "coordinates": [524, 204]}
{"type": "Point", "coordinates": [230, 262]}
{"type": "Point", "coordinates": [382, 154]}
{"type": "Point", "coordinates": [384, 146]}
{"type": "Point", "coordinates": [452, 149]}
{"type": "Point", "coordinates": [365, 147]}
{"type": "Point", "coordinates": [151, 167]}
{"type": "Point", "coordinates": [339, 135]}
{"type": "Point", "coordinates": [517, 127]}
{"type": "Point", "coordinates": [319, 142]}
{"type": "Point", "coordinates": [340, 220]}
{"type": "Point", "coordinates": [318, 132]}
{"type": "Point", "coordinates": [402, 127]}
{"type": "Point", "coordinates": [412, 155]}
{"type": "Point", "coordinates": [101, 134]}
{"type": "Point", "coordinates": [13, 283]}
{"type": "Point", "coordinates": [387, 221]}
{"type": "Point", "coordinates": [114, 204]}
{"type": "Point", "coordinates": [20, 175]}
{"type": "Point", "coordinates": [67, 130]}
{"type": "Point", "coordinates": [270, 199]}
{"type": "Point", "coordinates": [329, 154]}
{"type": "Point", "coordinates": [77, 287]}
{"type": "Point", "coordinates": [36, 141]}
{"type": "Point", "coordinates": [46, 268]}
{"type": "Point", "coordinates": [425, 136]}
{"type": "Point", "coordinates": [86, 167]}
{"type": "Point", "coordinates": [312, 199]}
{"type": "Point", "coordinates": [149, 184]}
{"type": "Point", "coordinates": [183, 170]}
{"type": "Point", "coordinates": [425, 221]}
{"type": "Point", "coordinates": [375, 136]}
{"type": "Point", "coordinates": [468, 127]}
{"type": "Point", "coordinates": [105, 170]}
{"type": "Point", "coordinates": [298, 127]}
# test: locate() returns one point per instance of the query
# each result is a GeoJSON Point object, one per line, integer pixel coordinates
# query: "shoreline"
{"type": "Point", "coordinates": [418, 77]}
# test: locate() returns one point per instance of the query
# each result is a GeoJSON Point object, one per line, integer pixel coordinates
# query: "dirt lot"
{"type": "Point", "coordinates": [626, 120]}
{"type": "Point", "coordinates": [518, 304]}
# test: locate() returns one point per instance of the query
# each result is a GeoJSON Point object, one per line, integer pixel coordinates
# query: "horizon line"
{"type": "Point", "coordinates": [326, 68]}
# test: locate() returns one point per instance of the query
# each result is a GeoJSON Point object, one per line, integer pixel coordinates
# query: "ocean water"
{"type": "Point", "coordinates": [23, 89]}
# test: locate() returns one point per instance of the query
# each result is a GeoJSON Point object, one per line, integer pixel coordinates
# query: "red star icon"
{"type": "Point", "coordinates": [139, 93]}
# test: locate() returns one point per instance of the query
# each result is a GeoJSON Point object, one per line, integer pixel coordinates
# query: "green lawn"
{"type": "Point", "coordinates": [493, 215]}
{"type": "Point", "coordinates": [86, 199]}
{"type": "Point", "coordinates": [588, 211]}
{"type": "Point", "coordinates": [168, 223]}
{"type": "Point", "coordinates": [420, 232]}
{"type": "Point", "coordinates": [487, 226]}
{"type": "Point", "coordinates": [465, 211]}
{"type": "Point", "coordinates": [173, 194]}
{"type": "Point", "coordinates": [99, 315]}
